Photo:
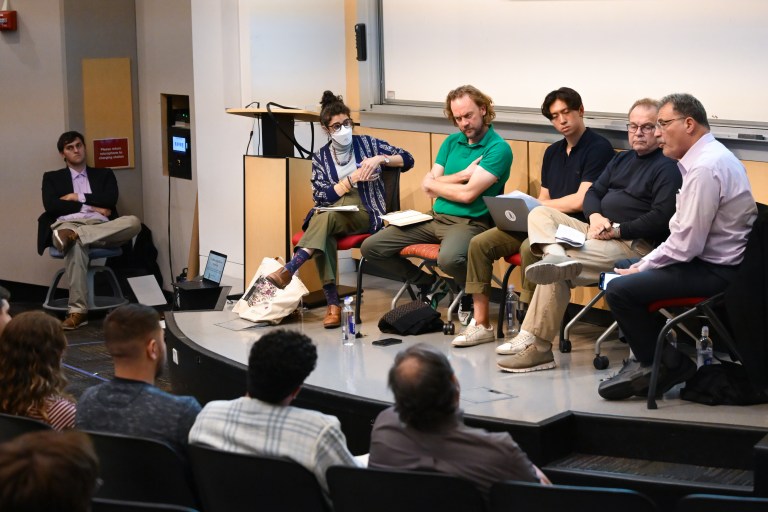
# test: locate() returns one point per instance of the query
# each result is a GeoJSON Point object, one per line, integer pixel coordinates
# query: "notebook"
{"type": "Point", "coordinates": [211, 278]}
{"type": "Point", "coordinates": [509, 213]}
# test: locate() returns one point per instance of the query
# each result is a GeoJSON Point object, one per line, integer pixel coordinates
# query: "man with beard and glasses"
{"type": "Point", "coordinates": [470, 164]}
{"type": "Point", "coordinates": [131, 404]}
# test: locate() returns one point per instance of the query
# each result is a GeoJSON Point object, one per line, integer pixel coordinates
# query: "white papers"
{"type": "Point", "coordinates": [346, 208]}
{"type": "Point", "coordinates": [405, 217]}
{"type": "Point", "coordinates": [147, 291]}
{"type": "Point", "coordinates": [568, 235]}
{"type": "Point", "coordinates": [530, 201]}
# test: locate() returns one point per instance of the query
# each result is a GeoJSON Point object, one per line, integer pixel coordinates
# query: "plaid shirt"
{"type": "Point", "coordinates": [250, 426]}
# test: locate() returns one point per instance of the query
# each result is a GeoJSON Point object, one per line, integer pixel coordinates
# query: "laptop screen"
{"type": "Point", "coordinates": [214, 268]}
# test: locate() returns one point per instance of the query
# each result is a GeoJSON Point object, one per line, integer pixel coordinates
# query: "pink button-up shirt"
{"type": "Point", "coordinates": [715, 209]}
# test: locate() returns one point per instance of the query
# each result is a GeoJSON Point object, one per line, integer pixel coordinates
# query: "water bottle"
{"type": "Point", "coordinates": [348, 322]}
{"type": "Point", "coordinates": [671, 337]}
{"type": "Point", "coordinates": [512, 306]}
{"type": "Point", "coordinates": [704, 348]}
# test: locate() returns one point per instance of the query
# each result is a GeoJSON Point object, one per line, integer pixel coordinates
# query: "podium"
{"type": "Point", "coordinates": [277, 193]}
{"type": "Point", "coordinates": [277, 127]}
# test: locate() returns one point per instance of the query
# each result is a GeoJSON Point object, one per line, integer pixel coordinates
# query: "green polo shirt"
{"type": "Point", "coordinates": [456, 154]}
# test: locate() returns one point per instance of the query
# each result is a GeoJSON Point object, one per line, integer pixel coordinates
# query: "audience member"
{"type": "Point", "coordinates": [628, 208]}
{"type": "Point", "coordinates": [46, 471]}
{"type": "Point", "coordinates": [425, 431]}
{"type": "Point", "coordinates": [263, 422]}
{"type": "Point", "coordinates": [569, 167]}
{"type": "Point", "coordinates": [80, 212]}
{"type": "Point", "coordinates": [470, 164]}
{"type": "Point", "coordinates": [5, 307]}
{"type": "Point", "coordinates": [130, 404]}
{"type": "Point", "coordinates": [31, 379]}
{"type": "Point", "coordinates": [708, 234]}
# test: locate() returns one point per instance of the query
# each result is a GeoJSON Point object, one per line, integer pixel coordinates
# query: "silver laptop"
{"type": "Point", "coordinates": [509, 213]}
{"type": "Point", "coordinates": [211, 278]}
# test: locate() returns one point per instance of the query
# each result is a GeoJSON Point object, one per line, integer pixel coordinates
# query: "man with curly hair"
{"type": "Point", "coordinates": [425, 429]}
{"type": "Point", "coordinates": [263, 422]}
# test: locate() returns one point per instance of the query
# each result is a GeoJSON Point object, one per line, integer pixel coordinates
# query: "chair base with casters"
{"type": "Point", "coordinates": [600, 362]}
{"type": "Point", "coordinates": [698, 306]}
{"type": "Point", "coordinates": [94, 302]}
{"type": "Point", "coordinates": [428, 253]}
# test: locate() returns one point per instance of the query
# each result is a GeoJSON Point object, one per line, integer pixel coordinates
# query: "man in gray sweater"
{"type": "Point", "coordinates": [131, 404]}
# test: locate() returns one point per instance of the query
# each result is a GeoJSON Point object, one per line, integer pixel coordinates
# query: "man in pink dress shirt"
{"type": "Point", "coordinates": [708, 234]}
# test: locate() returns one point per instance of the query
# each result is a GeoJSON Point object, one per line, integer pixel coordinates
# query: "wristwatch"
{"type": "Point", "coordinates": [386, 160]}
{"type": "Point", "coordinates": [617, 228]}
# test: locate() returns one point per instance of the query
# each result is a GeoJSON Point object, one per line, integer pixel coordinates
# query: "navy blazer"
{"type": "Point", "coordinates": [59, 183]}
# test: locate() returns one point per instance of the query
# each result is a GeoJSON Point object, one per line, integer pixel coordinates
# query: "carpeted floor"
{"type": "Point", "coordinates": [86, 361]}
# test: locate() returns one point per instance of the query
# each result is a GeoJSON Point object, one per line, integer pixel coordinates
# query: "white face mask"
{"type": "Point", "coordinates": [343, 137]}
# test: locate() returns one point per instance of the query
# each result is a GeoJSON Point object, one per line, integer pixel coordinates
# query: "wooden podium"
{"type": "Point", "coordinates": [277, 193]}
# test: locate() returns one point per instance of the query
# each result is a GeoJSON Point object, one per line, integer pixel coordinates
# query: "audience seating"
{"type": "Point", "coordinates": [95, 302]}
{"type": "Point", "coordinates": [105, 505]}
{"type": "Point", "coordinates": [12, 426]}
{"type": "Point", "coordinates": [235, 482]}
{"type": "Point", "coordinates": [715, 503]}
{"type": "Point", "coordinates": [380, 490]}
{"type": "Point", "coordinates": [534, 497]}
{"type": "Point", "coordinates": [140, 469]}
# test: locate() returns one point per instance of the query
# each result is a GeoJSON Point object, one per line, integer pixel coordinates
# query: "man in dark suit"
{"type": "Point", "coordinates": [79, 212]}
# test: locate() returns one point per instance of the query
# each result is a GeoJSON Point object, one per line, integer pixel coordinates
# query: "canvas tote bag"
{"type": "Point", "coordinates": [265, 302]}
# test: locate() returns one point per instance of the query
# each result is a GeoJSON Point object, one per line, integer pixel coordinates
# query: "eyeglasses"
{"type": "Point", "coordinates": [645, 128]}
{"type": "Point", "coordinates": [335, 127]}
{"type": "Point", "coordinates": [662, 123]}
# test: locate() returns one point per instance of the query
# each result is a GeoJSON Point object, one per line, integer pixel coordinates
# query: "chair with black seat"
{"type": "Point", "coordinates": [717, 503]}
{"type": "Point", "coordinates": [388, 490]}
{"type": "Point", "coordinates": [95, 302]}
{"type": "Point", "coordinates": [105, 505]}
{"type": "Point", "coordinates": [238, 482]}
{"type": "Point", "coordinates": [346, 242]}
{"type": "Point", "coordinates": [140, 469]}
{"type": "Point", "coordinates": [12, 426]}
{"type": "Point", "coordinates": [533, 497]}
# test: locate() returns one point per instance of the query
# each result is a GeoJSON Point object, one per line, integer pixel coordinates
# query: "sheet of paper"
{"type": "Point", "coordinates": [405, 217]}
{"type": "Point", "coordinates": [530, 201]}
{"type": "Point", "coordinates": [568, 235]}
{"type": "Point", "coordinates": [345, 208]}
{"type": "Point", "coordinates": [240, 324]}
{"type": "Point", "coordinates": [147, 291]}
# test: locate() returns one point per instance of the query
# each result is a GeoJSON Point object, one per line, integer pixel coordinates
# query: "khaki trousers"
{"type": "Point", "coordinates": [549, 301]}
{"type": "Point", "coordinates": [113, 233]}
{"type": "Point", "coordinates": [325, 226]}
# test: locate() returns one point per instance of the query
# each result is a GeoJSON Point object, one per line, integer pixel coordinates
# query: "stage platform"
{"type": "Point", "coordinates": [553, 414]}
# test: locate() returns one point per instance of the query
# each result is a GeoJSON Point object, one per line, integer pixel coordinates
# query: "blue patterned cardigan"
{"type": "Point", "coordinates": [324, 177]}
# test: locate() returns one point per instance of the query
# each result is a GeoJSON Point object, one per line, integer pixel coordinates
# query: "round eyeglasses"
{"type": "Point", "coordinates": [644, 128]}
{"type": "Point", "coordinates": [335, 127]}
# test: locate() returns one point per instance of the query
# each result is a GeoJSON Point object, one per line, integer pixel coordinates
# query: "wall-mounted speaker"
{"type": "Point", "coordinates": [360, 42]}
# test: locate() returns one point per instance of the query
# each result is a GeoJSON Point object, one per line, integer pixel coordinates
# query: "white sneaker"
{"type": "Point", "coordinates": [516, 344]}
{"type": "Point", "coordinates": [553, 268]}
{"type": "Point", "coordinates": [474, 335]}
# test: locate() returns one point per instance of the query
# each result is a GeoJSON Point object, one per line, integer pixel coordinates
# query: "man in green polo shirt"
{"type": "Point", "coordinates": [470, 164]}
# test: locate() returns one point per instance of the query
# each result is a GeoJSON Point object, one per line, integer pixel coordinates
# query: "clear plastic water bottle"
{"type": "Point", "coordinates": [512, 305]}
{"type": "Point", "coordinates": [672, 337]}
{"type": "Point", "coordinates": [348, 322]}
{"type": "Point", "coordinates": [704, 348]}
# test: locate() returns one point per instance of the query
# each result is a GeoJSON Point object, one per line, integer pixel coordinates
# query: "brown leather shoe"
{"type": "Point", "coordinates": [74, 320]}
{"type": "Point", "coordinates": [280, 278]}
{"type": "Point", "coordinates": [64, 239]}
{"type": "Point", "coordinates": [332, 317]}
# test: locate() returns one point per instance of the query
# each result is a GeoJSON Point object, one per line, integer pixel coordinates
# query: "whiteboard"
{"type": "Point", "coordinates": [611, 51]}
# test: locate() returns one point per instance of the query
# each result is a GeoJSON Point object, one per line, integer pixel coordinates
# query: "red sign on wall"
{"type": "Point", "coordinates": [110, 153]}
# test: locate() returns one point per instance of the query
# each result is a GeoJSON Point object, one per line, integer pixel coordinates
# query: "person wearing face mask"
{"type": "Point", "coordinates": [346, 171]}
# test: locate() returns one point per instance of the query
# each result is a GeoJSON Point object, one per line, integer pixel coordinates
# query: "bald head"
{"type": "Point", "coordinates": [425, 388]}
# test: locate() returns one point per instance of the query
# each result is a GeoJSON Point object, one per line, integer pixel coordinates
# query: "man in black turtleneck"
{"type": "Point", "coordinates": [628, 209]}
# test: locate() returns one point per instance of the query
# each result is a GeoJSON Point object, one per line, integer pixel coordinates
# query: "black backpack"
{"type": "Point", "coordinates": [412, 318]}
{"type": "Point", "coordinates": [725, 383]}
